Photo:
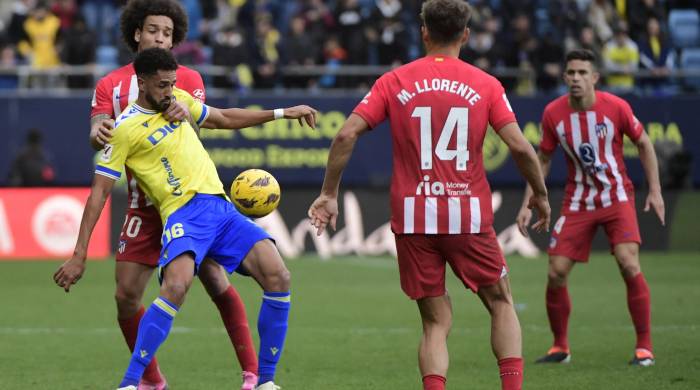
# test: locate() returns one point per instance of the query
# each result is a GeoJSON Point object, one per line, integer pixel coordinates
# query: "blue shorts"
{"type": "Point", "coordinates": [209, 226]}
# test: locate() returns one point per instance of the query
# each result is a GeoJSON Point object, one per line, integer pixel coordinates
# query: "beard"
{"type": "Point", "coordinates": [159, 106]}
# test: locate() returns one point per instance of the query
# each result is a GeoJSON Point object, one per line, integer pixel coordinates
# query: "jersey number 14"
{"type": "Point", "coordinates": [458, 118]}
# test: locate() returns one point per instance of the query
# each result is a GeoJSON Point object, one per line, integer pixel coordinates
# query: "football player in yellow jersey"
{"type": "Point", "coordinates": [176, 172]}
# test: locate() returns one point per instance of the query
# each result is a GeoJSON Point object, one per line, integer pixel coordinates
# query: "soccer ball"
{"type": "Point", "coordinates": [255, 193]}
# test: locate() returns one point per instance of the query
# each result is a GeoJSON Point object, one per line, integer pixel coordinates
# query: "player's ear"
{"type": "Point", "coordinates": [595, 76]}
{"type": "Point", "coordinates": [137, 35]}
{"type": "Point", "coordinates": [141, 83]}
{"type": "Point", "coordinates": [465, 35]}
{"type": "Point", "coordinates": [424, 33]}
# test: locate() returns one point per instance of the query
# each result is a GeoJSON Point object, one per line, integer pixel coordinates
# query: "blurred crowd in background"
{"type": "Point", "coordinates": [645, 46]}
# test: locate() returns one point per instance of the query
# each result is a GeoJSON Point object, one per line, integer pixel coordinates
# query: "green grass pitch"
{"type": "Point", "coordinates": [352, 328]}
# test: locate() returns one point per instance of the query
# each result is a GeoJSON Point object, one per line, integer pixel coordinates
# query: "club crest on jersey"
{"type": "Point", "coordinates": [601, 130]}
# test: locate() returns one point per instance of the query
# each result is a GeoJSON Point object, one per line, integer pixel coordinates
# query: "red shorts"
{"type": "Point", "coordinates": [139, 241]}
{"type": "Point", "coordinates": [476, 259]}
{"type": "Point", "coordinates": [574, 231]}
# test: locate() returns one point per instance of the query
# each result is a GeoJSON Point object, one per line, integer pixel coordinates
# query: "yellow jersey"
{"type": "Point", "coordinates": [167, 158]}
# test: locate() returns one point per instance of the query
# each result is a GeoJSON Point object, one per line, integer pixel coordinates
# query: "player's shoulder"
{"type": "Point", "coordinates": [183, 71]}
{"type": "Point", "coordinates": [558, 105]}
{"type": "Point", "coordinates": [117, 75]}
{"type": "Point", "coordinates": [131, 116]}
{"type": "Point", "coordinates": [609, 99]}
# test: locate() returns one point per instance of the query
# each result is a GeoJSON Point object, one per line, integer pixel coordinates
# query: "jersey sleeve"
{"type": "Point", "coordinates": [500, 111]}
{"type": "Point", "coordinates": [198, 110]}
{"type": "Point", "coordinates": [374, 106]}
{"type": "Point", "coordinates": [549, 138]}
{"type": "Point", "coordinates": [102, 100]}
{"type": "Point", "coordinates": [194, 85]}
{"type": "Point", "coordinates": [630, 124]}
{"type": "Point", "coordinates": [113, 155]}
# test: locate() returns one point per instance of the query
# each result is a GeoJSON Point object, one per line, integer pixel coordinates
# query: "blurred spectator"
{"type": "Point", "coordinates": [351, 28]}
{"type": "Point", "coordinates": [334, 55]}
{"type": "Point", "coordinates": [479, 50]}
{"type": "Point", "coordinates": [79, 46]}
{"type": "Point", "coordinates": [8, 59]}
{"type": "Point", "coordinates": [101, 16]}
{"type": "Point", "coordinates": [549, 56]}
{"type": "Point", "coordinates": [20, 13]}
{"type": "Point", "coordinates": [586, 40]}
{"type": "Point", "coordinates": [602, 16]}
{"type": "Point", "coordinates": [518, 49]}
{"type": "Point", "coordinates": [42, 28]}
{"type": "Point", "coordinates": [639, 12]}
{"type": "Point", "coordinates": [66, 11]}
{"type": "Point", "coordinates": [230, 50]}
{"type": "Point", "coordinates": [621, 59]}
{"type": "Point", "coordinates": [190, 53]}
{"type": "Point", "coordinates": [266, 53]}
{"type": "Point", "coordinates": [299, 49]}
{"type": "Point", "coordinates": [32, 167]}
{"type": "Point", "coordinates": [389, 32]}
{"type": "Point", "coordinates": [655, 55]}
{"type": "Point", "coordinates": [319, 20]}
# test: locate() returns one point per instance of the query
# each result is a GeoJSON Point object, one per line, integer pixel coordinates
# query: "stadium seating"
{"type": "Point", "coordinates": [684, 25]}
{"type": "Point", "coordinates": [690, 60]}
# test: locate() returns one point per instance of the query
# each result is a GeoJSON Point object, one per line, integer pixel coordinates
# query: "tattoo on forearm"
{"type": "Point", "coordinates": [98, 119]}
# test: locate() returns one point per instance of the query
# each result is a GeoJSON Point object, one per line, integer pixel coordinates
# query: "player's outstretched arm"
{"type": "Point", "coordinates": [324, 210]}
{"type": "Point", "coordinates": [72, 270]}
{"type": "Point", "coordinates": [240, 118]}
{"type": "Point", "coordinates": [101, 126]}
{"type": "Point", "coordinates": [647, 156]}
{"type": "Point", "coordinates": [525, 158]}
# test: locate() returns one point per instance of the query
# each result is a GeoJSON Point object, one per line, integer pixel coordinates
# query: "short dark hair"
{"type": "Point", "coordinates": [445, 20]}
{"type": "Point", "coordinates": [136, 11]}
{"type": "Point", "coordinates": [582, 55]}
{"type": "Point", "coordinates": [150, 61]}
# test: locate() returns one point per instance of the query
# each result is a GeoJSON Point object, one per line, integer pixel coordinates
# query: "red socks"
{"type": "Point", "coordinates": [558, 310]}
{"type": "Point", "coordinates": [434, 382]}
{"type": "Point", "coordinates": [511, 370]}
{"type": "Point", "coordinates": [235, 320]}
{"type": "Point", "coordinates": [638, 298]}
{"type": "Point", "coordinates": [130, 330]}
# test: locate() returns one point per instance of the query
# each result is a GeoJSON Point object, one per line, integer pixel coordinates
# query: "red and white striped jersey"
{"type": "Point", "coordinates": [439, 109]}
{"type": "Point", "coordinates": [118, 89]}
{"type": "Point", "coordinates": [592, 143]}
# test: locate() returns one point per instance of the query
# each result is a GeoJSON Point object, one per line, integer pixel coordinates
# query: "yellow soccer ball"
{"type": "Point", "coordinates": [255, 193]}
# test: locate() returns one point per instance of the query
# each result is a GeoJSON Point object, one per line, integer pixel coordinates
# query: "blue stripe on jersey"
{"type": "Point", "coordinates": [203, 117]}
{"type": "Point", "coordinates": [108, 172]}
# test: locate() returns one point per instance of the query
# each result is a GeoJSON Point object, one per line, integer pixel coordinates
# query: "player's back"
{"type": "Point", "coordinates": [439, 109]}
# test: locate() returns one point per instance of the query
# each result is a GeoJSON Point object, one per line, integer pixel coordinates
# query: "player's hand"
{"type": "Point", "coordinates": [104, 132]}
{"type": "Point", "coordinates": [544, 213]}
{"type": "Point", "coordinates": [176, 111]}
{"type": "Point", "coordinates": [323, 211]}
{"type": "Point", "coordinates": [69, 273]}
{"type": "Point", "coordinates": [302, 114]}
{"type": "Point", "coordinates": [523, 220]}
{"type": "Point", "coordinates": [656, 201]}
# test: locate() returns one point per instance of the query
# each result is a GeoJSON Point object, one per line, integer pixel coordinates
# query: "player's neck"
{"type": "Point", "coordinates": [446, 51]}
{"type": "Point", "coordinates": [143, 103]}
{"type": "Point", "coordinates": [583, 103]}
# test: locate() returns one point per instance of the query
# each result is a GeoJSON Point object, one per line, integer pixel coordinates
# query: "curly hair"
{"type": "Point", "coordinates": [136, 11]}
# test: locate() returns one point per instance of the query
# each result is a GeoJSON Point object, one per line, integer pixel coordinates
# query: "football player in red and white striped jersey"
{"type": "Point", "coordinates": [590, 126]}
{"type": "Point", "coordinates": [147, 24]}
{"type": "Point", "coordinates": [439, 109]}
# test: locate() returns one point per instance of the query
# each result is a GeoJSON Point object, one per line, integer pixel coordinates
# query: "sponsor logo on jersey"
{"type": "Point", "coordinates": [163, 132]}
{"type": "Point", "coordinates": [173, 181]}
{"type": "Point", "coordinates": [552, 242]}
{"type": "Point", "coordinates": [428, 188]}
{"type": "Point", "coordinates": [122, 246]}
{"type": "Point", "coordinates": [198, 94]}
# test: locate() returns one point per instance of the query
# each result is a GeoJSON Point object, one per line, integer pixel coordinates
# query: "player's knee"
{"type": "Point", "coordinates": [629, 269]}
{"type": "Point", "coordinates": [279, 280]}
{"type": "Point", "coordinates": [175, 292]}
{"type": "Point", "coordinates": [214, 281]}
{"type": "Point", "coordinates": [127, 296]}
{"type": "Point", "coordinates": [557, 277]}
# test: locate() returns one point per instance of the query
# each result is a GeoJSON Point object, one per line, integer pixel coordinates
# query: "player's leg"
{"type": "Point", "coordinates": [137, 257]}
{"type": "Point", "coordinates": [558, 306]}
{"type": "Point", "coordinates": [638, 300]}
{"type": "Point", "coordinates": [157, 321]}
{"type": "Point", "coordinates": [433, 358]}
{"type": "Point", "coordinates": [233, 314]}
{"type": "Point", "coordinates": [570, 243]}
{"type": "Point", "coordinates": [506, 339]}
{"type": "Point", "coordinates": [622, 230]}
{"type": "Point", "coordinates": [265, 264]}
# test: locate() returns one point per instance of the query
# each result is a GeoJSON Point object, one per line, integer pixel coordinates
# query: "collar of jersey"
{"type": "Point", "coordinates": [143, 110]}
